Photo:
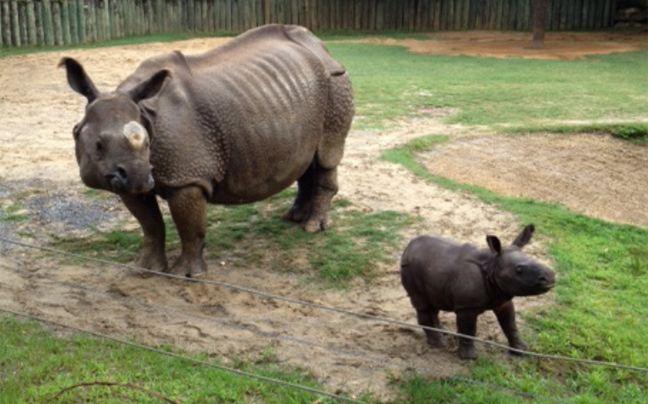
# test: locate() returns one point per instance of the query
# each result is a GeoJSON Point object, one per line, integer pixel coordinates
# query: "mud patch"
{"type": "Point", "coordinates": [595, 175]}
{"type": "Point", "coordinates": [557, 45]}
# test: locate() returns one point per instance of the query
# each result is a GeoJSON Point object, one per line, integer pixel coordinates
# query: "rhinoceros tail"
{"type": "Point", "coordinates": [305, 38]}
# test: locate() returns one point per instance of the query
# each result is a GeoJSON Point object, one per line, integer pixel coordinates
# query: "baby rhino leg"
{"type": "Point", "coordinates": [467, 325]}
{"type": "Point", "coordinates": [428, 316]}
{"type": "Point", "coordinates": [506, 318]}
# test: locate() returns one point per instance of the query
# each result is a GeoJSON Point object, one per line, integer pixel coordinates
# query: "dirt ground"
{"type": "Point", "coordinates": [557, 45]}
{"type": "Point", "coordinates": [591, 174]}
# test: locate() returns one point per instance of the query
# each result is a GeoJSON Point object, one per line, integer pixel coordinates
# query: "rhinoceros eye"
{"type": "Point", "coordinates": [99, 147]}
{"type": "Point", "coordinates": [519, 269]}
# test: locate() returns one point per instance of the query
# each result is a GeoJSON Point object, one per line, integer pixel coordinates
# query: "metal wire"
{"type": "Point", "coordinates": [329, 308]}
{"type": "Point", "coordinates": [195, 361]}
{"type": "Point", "coordinates": [271, 335]}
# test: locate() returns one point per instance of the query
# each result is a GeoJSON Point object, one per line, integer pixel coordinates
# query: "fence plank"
{"type": "Point", "coordinates": [22, 21]}
{"type": "Point", "coordinates": [15, 23]}
{"type": "Point", "coordinates": [58, 22]}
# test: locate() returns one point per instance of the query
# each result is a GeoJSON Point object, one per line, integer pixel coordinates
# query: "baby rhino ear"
{"type": "Point", "coordinates": [494, 244]}
{"type": "Point", "coordinates": [524, 237]}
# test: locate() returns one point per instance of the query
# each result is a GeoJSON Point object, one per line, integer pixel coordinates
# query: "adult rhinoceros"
{"type": "Point", "coordinates": [234, 125]}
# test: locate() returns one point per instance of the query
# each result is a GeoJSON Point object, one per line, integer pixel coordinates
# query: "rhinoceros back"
{"type": "Point", "coordinates": [244, 120]}
{"type": "Point", "coordinates": [440, 273]}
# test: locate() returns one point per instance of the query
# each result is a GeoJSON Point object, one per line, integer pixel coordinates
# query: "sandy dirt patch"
{"type": "Point", "coordinates": [37, 167]}
{"type": "Point", "coordinates": [596, 175]}
{"type": "Point", "coordinates": [557, 45]}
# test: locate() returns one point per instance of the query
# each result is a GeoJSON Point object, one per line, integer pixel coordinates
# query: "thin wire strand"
{"type": "Point", "coordinates": [328, 308]}
{"type": "Point", "coordinates": [293, 340]}
{"type": "Point", "coordinates": [195, 361]}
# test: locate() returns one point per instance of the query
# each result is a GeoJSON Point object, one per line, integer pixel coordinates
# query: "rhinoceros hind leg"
{"type": "Point", "coordinates": [430, 318]}
{"type": "Point", "coordinates": [303, 202]}
{"type": "Point", "coordinates": [146, 210]}
{"type": "Point", "coordinates": [189, 211]}
{"type": "Point", "coordinates": [325, 187]}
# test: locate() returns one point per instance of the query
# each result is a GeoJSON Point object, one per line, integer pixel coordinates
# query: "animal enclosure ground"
{"type": "Point", "coordinates": [40, 183]}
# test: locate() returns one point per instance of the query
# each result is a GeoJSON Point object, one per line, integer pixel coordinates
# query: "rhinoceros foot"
{"type": "Point", "coordinates": [191, 267]}
{"type": "Point", "coordinates": [297, 213]}
{"type": "Point", "coordinates": [519, 345]}
{"type": "Point", "coordinates": [153, 260]}
{"type": "Point", "coordinates": [316, 223]}
{"type": "Point", "coordinates": [467, 351]}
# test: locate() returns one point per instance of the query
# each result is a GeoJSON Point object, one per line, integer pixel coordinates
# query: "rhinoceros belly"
{"type": "Point", "coordinates": [273, 118]}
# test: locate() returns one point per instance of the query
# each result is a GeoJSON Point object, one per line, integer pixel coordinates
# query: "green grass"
{"type": "Point", "coordinates": [35, 365]}
{"type": "Point", "coordinates": [600, 309]}
{"type": "Point", "coordinates": [13, 212]}
{"type": "Point", "coordinates": [253, 235]}
{"type": "Point", "coordinates": [391, 82]}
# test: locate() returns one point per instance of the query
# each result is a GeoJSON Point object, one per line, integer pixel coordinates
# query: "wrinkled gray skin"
{"type": "Point", "coordinates": [440, 274]}
{"type": "Point", "coordinates": [234, 125]}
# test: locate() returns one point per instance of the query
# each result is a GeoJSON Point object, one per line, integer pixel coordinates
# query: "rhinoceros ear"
{"type": "Point", "coordinates": [524, 237]}
{"type": "Point", "coordinates": [78, 79]}
{"type": "Point", "coordinates": [150, 87]}
{"type": "Point", "coordinates": [494, 244]}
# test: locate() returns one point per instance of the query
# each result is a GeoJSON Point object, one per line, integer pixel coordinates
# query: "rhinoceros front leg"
{"type": "Point", "coordinates": [506, 318]}
{"type": "Point", "coordinates": [146, 210]}
{"type": "Point", "coordinates": [189, 211]}
{"type": "Point", "coordinates": [467, 325]}
{"type": "Point", "coordinates": [325, 186]}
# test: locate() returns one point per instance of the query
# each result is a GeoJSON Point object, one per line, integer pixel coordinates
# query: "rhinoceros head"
{"type": "Point", "coordinates": [112, 145]}
{"type": "Point", "coordinates": [516, 273]}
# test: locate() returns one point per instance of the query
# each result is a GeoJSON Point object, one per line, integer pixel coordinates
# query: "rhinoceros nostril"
{"type": "Point", "coordinates": [121, 173]}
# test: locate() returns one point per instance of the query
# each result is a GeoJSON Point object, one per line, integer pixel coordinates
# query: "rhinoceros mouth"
{"type": "Point", "coordinates": [121, 184]}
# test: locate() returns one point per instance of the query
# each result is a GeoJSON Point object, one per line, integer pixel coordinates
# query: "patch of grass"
{"type": "Point", "coordinates": [35, 365]}
{"type": "Point", "coordinates": [13, 212]}
{"type": "Point", "coordinates": [117, 245]}
{"type": "Point", "coordinates": [600, 307]}
{"type": "Point", "coordinates": [391, 82]}
{"type": "Point", "coordinates": [353, 246]}
{"type": "Point", "coordinates": [637, 132]}
{"type": "Point", "coordinates": [253, 234]}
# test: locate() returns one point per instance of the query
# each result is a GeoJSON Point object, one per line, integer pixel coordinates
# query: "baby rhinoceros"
{"type": "Point", "coordinates": [440, 274]}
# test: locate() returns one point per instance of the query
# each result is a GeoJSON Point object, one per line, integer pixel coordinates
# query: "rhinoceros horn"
{"type": "Point", "coordinates": [136, 134]}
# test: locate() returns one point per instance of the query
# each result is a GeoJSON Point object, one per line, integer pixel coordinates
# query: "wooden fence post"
{"type": "Point", "coordinates": [56, 23]}
{"type": "Point", "coordinates": [22, 20]}
{"type": "Point", "coordinates": [15, 23]}
{"type": "Point", "coordinates": [2, 26]}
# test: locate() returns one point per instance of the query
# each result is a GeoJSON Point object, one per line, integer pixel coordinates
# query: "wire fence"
{"type": "Point", "coordinates": [363, 356]}
{"type": "Point", "coordinates": [294, 340]}
{"type": "Point", "coordinates": [188, 359]}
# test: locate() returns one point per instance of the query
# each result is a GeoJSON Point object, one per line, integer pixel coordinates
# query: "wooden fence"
{"type": "Point", "coordinates": [62, 22]}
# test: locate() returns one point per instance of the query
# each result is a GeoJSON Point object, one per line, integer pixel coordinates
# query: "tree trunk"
{"type": "Point", "coordinates": [539, 17]}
